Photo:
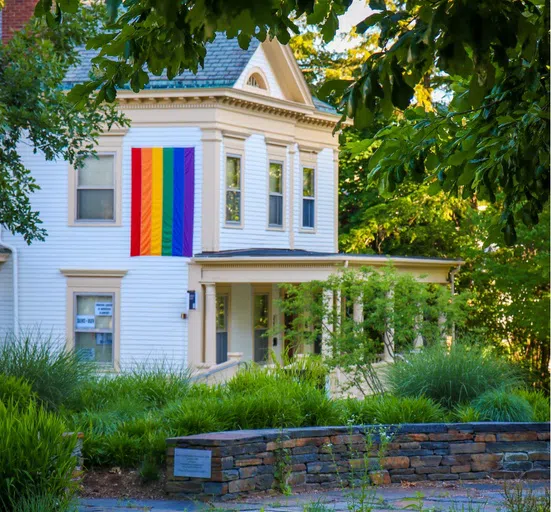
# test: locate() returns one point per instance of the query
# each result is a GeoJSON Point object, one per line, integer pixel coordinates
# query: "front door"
{"type": "Point", "coordinates": [261, 322]}
{"type": "Point", "coordinates": [221, 328]}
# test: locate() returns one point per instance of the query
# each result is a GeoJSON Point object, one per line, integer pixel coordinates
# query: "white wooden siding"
{"type": "Point", "coordinates": [259, 60]}
{"type": "Point", "coordinates": [254, 202]}
{"type": "Point", "coordinates": [154, 291]}
{"type": "Point", "coordinates": [6, 298]}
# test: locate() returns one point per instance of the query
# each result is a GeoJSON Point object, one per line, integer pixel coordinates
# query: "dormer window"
{"type": "Point", "coordinates": [257, 81]}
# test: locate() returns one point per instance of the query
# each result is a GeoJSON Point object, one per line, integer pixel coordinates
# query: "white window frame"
{"type": "Point", "coordinates": [313, 198]}
{"type": "Point", "coordinates": [277, 227]}
{"type": "Point", "coordinates": [232, 223]}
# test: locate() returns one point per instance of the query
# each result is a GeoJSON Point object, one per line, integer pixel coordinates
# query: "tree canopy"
{"type": "Point", "coordinates": [35, 110]}
{"type": "Point", "coordinates": [491, 58]}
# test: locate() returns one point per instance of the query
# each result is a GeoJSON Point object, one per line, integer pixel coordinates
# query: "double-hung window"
{"type": "Point", "coordinates": [308, 197]}
{"type": "Point", "coordinates": [275, 214]}
{"type": "Point", "coordinates": [94, 327]}
{"type": "Point", "coordinates": [233, 189]}
{"type": "Point", "coordinates": [95, 194]}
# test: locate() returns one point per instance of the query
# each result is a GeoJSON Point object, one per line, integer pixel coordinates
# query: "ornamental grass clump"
{"type": "Point", "coordinates": [502, 405]}
{"type": "Point", "coordinates": [54, 373]}
{"type": "Point", "coordinates": [388, 409]}
{"type": "Point", "coordinates": [451, 377]}
{"type": "Point", "coordinates": [539, 402]}
{"type": "Point", "coordinates": [36, 457]}
{"type": "Point", "coordinates": [16, 389]}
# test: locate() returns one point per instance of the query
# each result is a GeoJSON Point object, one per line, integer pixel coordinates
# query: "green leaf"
{"type": "Point", "coordinates": [333, 86]}
{"type": "Point", "coordinates": [329, 28]}
{"type": "Point", "coordinates": [370, 21]}
{"type": "Point", "coordinates": [377, 5]}
{"type": "Point", "coordinates": [434, 188]}
{"type": "Point", "coordinates": [431, 162]}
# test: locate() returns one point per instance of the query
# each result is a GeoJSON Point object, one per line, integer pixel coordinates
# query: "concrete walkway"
{"type": "Point", "coordinates": [475, 497]}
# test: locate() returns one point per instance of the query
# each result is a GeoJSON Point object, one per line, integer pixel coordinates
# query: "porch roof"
{"type": "Point", "coordinates": [295, 265]}
{"type": "Point", "coordinates": [275, 255]}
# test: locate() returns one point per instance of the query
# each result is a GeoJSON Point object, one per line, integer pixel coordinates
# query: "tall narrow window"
{"type": "Point", "coordinates": [275, 216]}
{"type": "Point", "coordinates": [233, 190]}
{"type": "Point", "coordinates": [96, 189]}
{"type": "Point", "coordinates": [308, 197]}
{"type": "Point", "coordinates": [93, 327]}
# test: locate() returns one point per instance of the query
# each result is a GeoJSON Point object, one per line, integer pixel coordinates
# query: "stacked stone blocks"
{"type": "Point", "coordinates": [321, 457]}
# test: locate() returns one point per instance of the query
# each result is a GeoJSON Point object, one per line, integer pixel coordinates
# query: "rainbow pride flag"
{"type": "Point", "coordinates": [162, 201]}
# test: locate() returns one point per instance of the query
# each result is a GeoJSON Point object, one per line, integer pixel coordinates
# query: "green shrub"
{"type": "Point", "coordinates": [502, 405]}
{"type": "Point", "coordinates": [466, 414]}
{"type": "Point", "coordinates": [16, 389]}
{"type": "Point", "coordinates": [539, 402]}
{"type": "Point", "coordinates": [55, 374]}
{"type": "Point", "coordinates": [451, 377]}
{"type": "Point", "coordinates": [35, 457]}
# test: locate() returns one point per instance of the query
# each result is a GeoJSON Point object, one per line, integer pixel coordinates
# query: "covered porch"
{"type": "Point", "coordinates": [237, 292]}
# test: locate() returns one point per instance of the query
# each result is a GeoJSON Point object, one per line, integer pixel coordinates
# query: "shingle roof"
{"type": "Point", "coordinates": [224, 63]}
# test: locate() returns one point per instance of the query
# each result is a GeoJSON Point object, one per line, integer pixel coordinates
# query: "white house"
{"type": "Point", "coordinates": [172, 244]}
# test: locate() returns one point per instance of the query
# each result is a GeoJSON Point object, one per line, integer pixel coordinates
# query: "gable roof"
{"type": "Point", "coordinates": [224, 63]}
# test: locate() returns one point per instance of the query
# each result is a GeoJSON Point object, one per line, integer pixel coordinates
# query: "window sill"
{"type": "Point", "coordinates": [307, 231]}
{"type": "Point", "coordinates": [94, 224]}
{"type": "Point", "coordinates": [281, 229]}
{"type": "Point", "coordinates": [233, 226]}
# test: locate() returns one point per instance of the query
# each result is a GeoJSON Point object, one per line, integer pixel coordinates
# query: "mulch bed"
{"type": "Point", "coordinates": [120, 484]}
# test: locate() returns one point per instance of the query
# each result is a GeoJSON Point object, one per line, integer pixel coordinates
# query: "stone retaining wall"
{"type": "Point", "coordinates": [318, 457]}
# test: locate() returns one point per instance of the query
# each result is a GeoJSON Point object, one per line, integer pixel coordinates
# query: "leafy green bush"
{"type": "Point", "coordinates": [16, 389]}
{"type": "Point", "coordinates": [502, 405]}
{"type": "Point", "coordinates": [35, 457]}
{"type": "Point", "coordinates": [451, 377]}
{"type": "Point", "coordinates": [55, 374]}
{"type": "Point", "coordinates": [539, 402]}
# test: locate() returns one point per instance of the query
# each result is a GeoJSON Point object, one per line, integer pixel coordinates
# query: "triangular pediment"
{"type": "Point", "coordinates": [273, 71]}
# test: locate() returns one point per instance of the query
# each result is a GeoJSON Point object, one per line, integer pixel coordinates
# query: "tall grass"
{"type": "Point", "coordinates": [35, 456]}
{"type": "Point", "coordinates": [54, 373]}
{"type": "Point", "coordinates": [388, 409]}
{"type": "Point", "coordinates": [539, 402]}
{"type": "Point", "coordinates": [502, 405]}
{"type": "Point", "coordinates": [451, 377]}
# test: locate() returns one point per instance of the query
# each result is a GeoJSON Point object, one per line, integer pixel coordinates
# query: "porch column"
{"type": "Point", "coordinates": [210, 323]}
{"type": "Point", "coordinates": [442, 327]}
{"type": "Point", "coordinates": [358, 310]}
{"type": "Point", "coordinates": [328, 323]}
{"type": "Point", "coordinates": [418, 341]}
{"type": "Point", "coordinates": [388, 337]}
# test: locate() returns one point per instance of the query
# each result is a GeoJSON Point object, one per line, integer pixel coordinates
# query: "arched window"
{"type": "Point", "coordinates": [257, 80]}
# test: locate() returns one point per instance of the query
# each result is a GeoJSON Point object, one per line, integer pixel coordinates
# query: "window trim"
{"type": "Point", "coordinates": [257, 90]}
{"type": "Point", "coordinates": [303, 228]}
{"type": "Point", "coordinates": [95, 282]}
{"type": "Point", "coordinates": [106, 366]}
{"type": "Point", "coordinates": [277, 227]}
{"type": "Point", "coordinates": [226, 291]}
{"type": "Point", "coordinates": [230, 223]}
{"type": "Point", "coordinates": [108, 145]}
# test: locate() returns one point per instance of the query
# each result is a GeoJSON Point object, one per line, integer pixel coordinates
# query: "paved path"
{"type": "Point", "coordinates": [476, 497]}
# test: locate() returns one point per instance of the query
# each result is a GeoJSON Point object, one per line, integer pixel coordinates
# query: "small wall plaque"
{"type": "Point", "coordinates": [192, 463]}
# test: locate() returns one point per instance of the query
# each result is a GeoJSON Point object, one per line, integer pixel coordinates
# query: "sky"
{"type": "Point", "coordinates": [357, 12]}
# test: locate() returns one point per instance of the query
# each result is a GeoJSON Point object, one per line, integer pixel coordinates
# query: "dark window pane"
{"type": "Point", "coordinates": [308, 213]}
{"type": "Point", "coordinates": [95, 205]}
{"type": "Point", "coordinates": [233, 206]}
{"type": "Point", "coordinates": [276, 211]}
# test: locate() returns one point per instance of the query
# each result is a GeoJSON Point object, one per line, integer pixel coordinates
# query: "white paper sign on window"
{"type": "Point", "coordinates": [104, 309]}
{"type": "Point", "coordinates": [86, 322]}
{"type": "Point", "coordinates": [104, 338]}
{"type": "Point", "coordinates": [87, 354]}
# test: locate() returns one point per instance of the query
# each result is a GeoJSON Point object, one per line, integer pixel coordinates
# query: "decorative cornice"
{"type": "Point", "coordinates": [236, 134]}
{"type": "Point", "coordinates": [228, 98]}
{"type": "Point", "coordinates": [81, 272]}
